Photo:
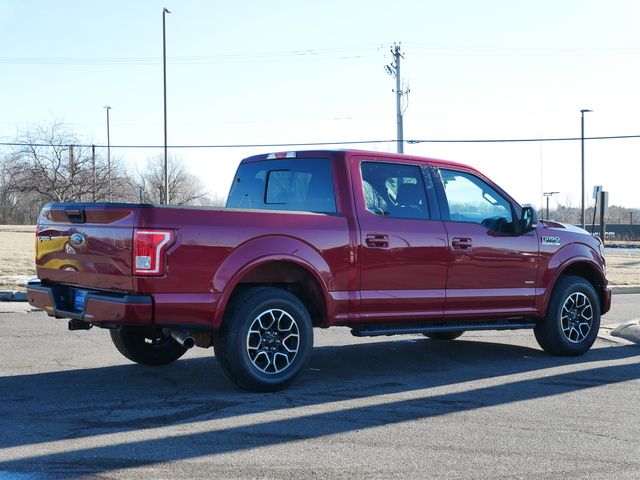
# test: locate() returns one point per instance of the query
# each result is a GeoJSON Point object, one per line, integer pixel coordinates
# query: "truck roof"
{"type": "Point", "coordinates": [341, 154]}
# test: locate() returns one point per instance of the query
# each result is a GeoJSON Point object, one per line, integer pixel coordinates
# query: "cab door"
{"type": "Point", "coordinates": [402, 251]}
{"type": "Point", "coordinates": [493, 268]}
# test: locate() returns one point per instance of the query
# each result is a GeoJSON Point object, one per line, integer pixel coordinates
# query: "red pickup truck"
{"type": "Point", "coordinates": [384, 244]}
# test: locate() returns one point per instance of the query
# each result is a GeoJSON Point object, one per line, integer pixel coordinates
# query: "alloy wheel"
{"type": "Point", "coordinates": [273, 341]}
{"type": "Point", "coordinates": [576, 317]}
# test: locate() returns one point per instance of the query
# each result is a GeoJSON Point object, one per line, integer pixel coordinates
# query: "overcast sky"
{"type": "Point", "coordinates": [255, 72]}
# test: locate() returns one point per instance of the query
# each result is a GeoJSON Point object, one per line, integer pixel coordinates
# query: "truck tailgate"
{"type": "Point", "coordinates": [86, 244]}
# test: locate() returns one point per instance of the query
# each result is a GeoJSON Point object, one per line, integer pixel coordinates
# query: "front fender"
{"type": "Point", "coordinates": [567, 256]}
{"type": "Point", "coordinates": [265, 249]}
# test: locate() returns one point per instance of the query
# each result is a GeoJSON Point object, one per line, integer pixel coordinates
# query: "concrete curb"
{"type": "Point", "coordinates": [629, 331]}
{"type": "Point", "coordinates": [616, 289]}
{"type": "Point", "coordinates": [13, 296]}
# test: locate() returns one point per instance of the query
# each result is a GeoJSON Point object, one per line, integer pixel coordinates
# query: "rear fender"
{"type": "Point", "coordinates": [262, 250]}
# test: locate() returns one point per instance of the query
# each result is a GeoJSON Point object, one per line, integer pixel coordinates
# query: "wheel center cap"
{"type": "Point", "coordinates": [270, 339]}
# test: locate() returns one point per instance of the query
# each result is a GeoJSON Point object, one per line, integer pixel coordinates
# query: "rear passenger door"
{"type": "Point", "coordinates": [403, 252]}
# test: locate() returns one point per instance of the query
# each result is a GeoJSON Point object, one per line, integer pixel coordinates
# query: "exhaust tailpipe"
{"type": "Point", "coordinates": [183, 338]}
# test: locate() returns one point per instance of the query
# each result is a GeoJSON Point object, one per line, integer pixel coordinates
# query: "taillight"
{"type": "Point", "coordinates": [149, 247]}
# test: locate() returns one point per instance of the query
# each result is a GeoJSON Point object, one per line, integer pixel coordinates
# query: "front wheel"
{"type": "Point", "coordinates": [573, 318]}
{"type": "Point", "coordinates": [266, 339]}
{"type": "Point", "coordinates": [148, 347]}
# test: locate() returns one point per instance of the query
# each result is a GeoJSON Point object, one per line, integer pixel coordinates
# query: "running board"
{"type": "Point", "coordinates": [454, 327]}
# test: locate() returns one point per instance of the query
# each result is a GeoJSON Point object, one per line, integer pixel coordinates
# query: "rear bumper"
{"type": "Point", "coordinates": [606, 300]}
{"type": "Point", "coordinates": [98, 307]}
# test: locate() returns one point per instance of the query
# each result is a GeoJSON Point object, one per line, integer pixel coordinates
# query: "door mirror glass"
{"type": "Point", "coordinates": [528, 220]}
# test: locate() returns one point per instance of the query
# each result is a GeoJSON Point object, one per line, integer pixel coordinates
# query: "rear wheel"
{"type": "Point", "coordinates": [573, 318]}
{"type": "Point", "coordinates": [444, 335]}
{"type": "Point", "coordinates": [148, 347]}
{"type": "Point", "coordinates": [266, 339]}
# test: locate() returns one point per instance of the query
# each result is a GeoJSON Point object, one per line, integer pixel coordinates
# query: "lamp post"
{"type": "Point", "coordinates": [164, 71]}
{"type": "Point", "coordinates": [107, 107]}
{"type": "Point", "coordinates": [548, 195]}
{"type": "Point", "coordinates": [582, 112]}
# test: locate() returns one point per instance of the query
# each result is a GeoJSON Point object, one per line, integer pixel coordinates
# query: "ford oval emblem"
{"type": "Point", "coordinates": [77, 240]}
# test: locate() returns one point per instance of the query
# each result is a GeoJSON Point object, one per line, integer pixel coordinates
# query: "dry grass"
{"type": "Point", "coordinates": [623, 266]}
{"type": "Point", "coordinates": [17, 253]}
{"type": "Point", "coordinates": [17, 256]}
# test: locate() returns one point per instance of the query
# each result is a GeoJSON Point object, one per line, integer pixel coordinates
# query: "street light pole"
{"type": "Point", "coordinates": [164, 71]}
{"type": "Point", "coordinates": [582, 112]}
{"type": "Point", "coordinates": [548, 195]}
{"type": "Point", "coordinates": [108, 156]}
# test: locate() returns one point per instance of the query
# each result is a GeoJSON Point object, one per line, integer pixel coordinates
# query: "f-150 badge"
{"type": "Point", "coordinates": [550, 240]}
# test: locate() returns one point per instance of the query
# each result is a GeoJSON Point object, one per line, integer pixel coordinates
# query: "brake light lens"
{"type": "Point", "coordinates": [149, 247]}
{"type": "Point", "coordinates": [273, 156]}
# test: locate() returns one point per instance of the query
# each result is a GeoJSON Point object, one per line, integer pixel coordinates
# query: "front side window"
{"type": "Point", "coordinates": [304, 184]}
{"type": "Point", "coordinates": [471, 199]}
{"type": "Point", "coordinates": [394, 190]}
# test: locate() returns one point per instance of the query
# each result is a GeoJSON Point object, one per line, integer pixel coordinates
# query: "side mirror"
{"type": "Point", "coordinates": [528, 220]}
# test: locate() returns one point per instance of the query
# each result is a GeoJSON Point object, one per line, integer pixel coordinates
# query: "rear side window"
{"type": "Point", "coordinates": [394, 190]}
{"type": "Point", "coordinates": [304, 184]}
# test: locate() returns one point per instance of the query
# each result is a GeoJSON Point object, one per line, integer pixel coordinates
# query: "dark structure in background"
{"type": "Point", "coordinates": [617, 231]}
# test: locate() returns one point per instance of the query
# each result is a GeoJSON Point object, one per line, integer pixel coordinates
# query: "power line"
{"type": "Point", "coordinates": [311, 144]}
{"type": "Point", "coordinates": [306, 54]}
{"type": "Point", "coordinates": [346, 52]}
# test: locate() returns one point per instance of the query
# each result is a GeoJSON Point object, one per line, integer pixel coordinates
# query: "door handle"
{"type": "Point", "coordinates": [377, 240]}
{"type": "Point", "coordinates": [461, 243]}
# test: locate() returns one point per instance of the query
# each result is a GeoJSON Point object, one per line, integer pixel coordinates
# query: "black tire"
{"type": "Point", "coordinates": [258, 336]}
{"type": "Point", "coordinates": [148, 347]}
{"type": "Point", "coordinates": [444, 335]}
{"type": "Point", "coordinates": [573, 318]}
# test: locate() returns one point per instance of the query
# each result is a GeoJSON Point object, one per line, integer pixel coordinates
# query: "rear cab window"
{"type": "Point", "coordinates": [300, 184]}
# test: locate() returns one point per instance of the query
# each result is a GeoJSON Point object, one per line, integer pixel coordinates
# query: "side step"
{"type": "Point", "coordinates": [377, 331]}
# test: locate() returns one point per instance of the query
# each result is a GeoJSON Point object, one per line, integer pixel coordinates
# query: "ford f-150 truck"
{"type": "Point", "coordinates": [384, 244]}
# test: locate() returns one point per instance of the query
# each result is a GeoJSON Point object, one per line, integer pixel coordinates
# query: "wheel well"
{"type": "Point", "coordinates": [294, 278]}
{"type": "Point", "coordinates": [589, 273]}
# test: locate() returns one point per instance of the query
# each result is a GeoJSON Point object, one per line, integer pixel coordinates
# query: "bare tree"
{"type": "Point", "coordinates": [51, 163]}
{"type": "Point", "coordinates": [48, 164]}
{"type": "Point", "coordinates": [184, 187]}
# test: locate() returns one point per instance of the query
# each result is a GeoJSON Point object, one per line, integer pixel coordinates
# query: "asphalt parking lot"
{"type": "Point", "coordinates": [489, 405]}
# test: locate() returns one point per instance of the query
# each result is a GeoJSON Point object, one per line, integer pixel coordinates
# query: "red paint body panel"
{"type": "Point", "coordinates": [502, 268]}
{"type": "Point", "coordinates": [417, 276]}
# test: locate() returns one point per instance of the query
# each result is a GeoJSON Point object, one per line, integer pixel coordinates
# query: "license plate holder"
{"type": "Point", "coordinates": [78, 301]}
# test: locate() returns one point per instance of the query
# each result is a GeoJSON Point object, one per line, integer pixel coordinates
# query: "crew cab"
{"type": "Point", "coordinates": [384, 244]}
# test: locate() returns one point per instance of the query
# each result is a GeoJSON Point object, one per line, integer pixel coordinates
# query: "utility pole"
{"type": "Point", "coordinates": [107, 107]}
{"type": "Point", "coordinates": [393, 69]}
{"type": "Point", "coordinates": [71, 160]}
{"type": "Point", "coordinates": [71, 167]}
{"type": "Point", "coordinates": [164, 71]}
{"type": "Point", "coordinates": [93, 168]}
{"type": "Point", "coordinates": [548, 195]}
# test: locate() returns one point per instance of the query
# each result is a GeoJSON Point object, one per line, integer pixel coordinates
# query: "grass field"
{"type": "Point", "coordinates": [17, 253]}
{"type": "Point", "coordinates": [17, 256]}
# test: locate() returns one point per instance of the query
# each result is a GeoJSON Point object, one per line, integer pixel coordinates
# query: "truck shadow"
{"type": "Point", "coordinates": [81, 404]}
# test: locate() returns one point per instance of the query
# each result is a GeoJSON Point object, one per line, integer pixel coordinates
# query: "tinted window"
{"type": "Point", "coordinates": [470, 199]}
{"type": "Point", "coordinates": [394, 190]}
{"type": "Point", "coordinates": [296, 184]}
